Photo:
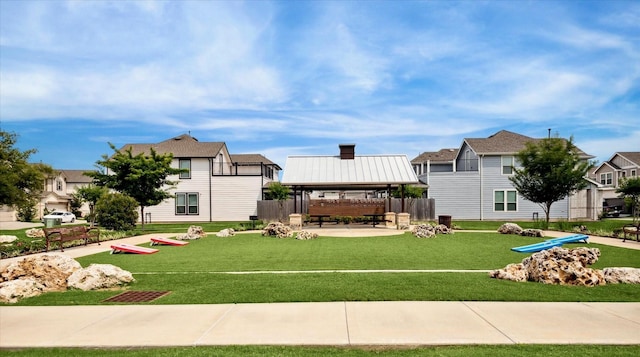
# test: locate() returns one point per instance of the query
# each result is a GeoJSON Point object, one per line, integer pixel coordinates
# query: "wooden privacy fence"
{"type": "Point", "coordinates": [420, 209]}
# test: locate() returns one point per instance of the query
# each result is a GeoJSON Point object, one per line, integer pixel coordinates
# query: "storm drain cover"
{"type": "Point", "coordinates": [137, 296]}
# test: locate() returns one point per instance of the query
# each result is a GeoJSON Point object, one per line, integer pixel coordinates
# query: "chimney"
{"type": "Point", "coordinates": [347, 151]}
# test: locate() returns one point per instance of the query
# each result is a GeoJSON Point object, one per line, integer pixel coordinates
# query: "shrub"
{"type": "Point", "coordinates": [26, 212]}
{"type": "Point", "coordinates": [117, 211]}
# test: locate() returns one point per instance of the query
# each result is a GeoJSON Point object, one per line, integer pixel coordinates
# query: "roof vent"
{"type": "Point", "coordinates": [347, 151]}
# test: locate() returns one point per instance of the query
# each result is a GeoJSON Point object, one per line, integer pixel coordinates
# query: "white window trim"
{"type": "Point", "coordinates": [506, 201]}
{"type": "Point", "coordinates": [502, 165]}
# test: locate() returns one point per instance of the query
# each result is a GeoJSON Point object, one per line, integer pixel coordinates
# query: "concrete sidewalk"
{"type": "Point", "coordinates": [331, 323]}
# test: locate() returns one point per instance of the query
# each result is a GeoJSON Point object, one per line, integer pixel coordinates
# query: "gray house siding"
{"type": "Point", "coordinates": [456, 194]}
{"type": "Point", "coordinates": [470, 194]}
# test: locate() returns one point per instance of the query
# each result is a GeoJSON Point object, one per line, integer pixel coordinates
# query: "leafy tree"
{"type": "Point", "coordinates": [75, 204]}
{"type": "Point", "coordinates": [117, 211]}
{"type": "Point", "coordinates": [91, 193]}
{"type": "Point", "coordinates": [142, 177]}
{"type": "Point", "coordinates": [21, 183]}
{"type": "Point", "coordinates": [278, 191]}
{"type": "Point", "coordinates": [411, 192]}
{"type": "Point", "coordinates": [551, 169]}
{"type": "Point", "coordinates": [630, 189]}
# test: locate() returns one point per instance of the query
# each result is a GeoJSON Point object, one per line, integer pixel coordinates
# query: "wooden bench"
{"type": "Point", "coordinates": [631, 229]}
{"type": "Point", "coordinates": [66, 234]}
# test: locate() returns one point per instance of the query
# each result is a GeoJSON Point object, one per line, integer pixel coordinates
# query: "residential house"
{"type": "Point", "coordinates": [217, 186]}
{"type": "Point", "coordinates": [472, 182]}
{"type": "Point", "coordinates": [58, 190]}
{"type": "Point", "coordinates": [609, 174]}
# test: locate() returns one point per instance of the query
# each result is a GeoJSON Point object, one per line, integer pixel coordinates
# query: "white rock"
{"type": "Point", "coordinates": [8, 239]}
{"type": "Point", "coordinates": [14, 290]}
{"type": "Point", "coordinates": [99, 276]}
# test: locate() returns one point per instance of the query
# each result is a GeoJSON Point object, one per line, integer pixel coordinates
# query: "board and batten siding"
{"type": "Point", "coordinates": [235, 197]}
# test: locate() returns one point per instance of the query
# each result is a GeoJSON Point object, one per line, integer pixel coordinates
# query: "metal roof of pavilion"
{"type": "Point", "coordinates": [360, 172]}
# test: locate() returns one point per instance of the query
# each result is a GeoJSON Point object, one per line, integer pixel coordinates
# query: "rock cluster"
{"type": "Point", "coordinates": [563, 266]}
{"type": "Point", "coordinates": [227, 232]}
{"type": "Point", "coordinates": [34, 233]}
{"type": "Point", "coordinates": [306, 235]}
{"type": "Point", "coordinates": [277, 229]}
{"type": "Point", "coordinates": [35, 275]}
{"type": "Point", "coordinates": [512, 228]}
{"type": "Point", "coordinates": [194, 232]}
{"type": "Point", "coordinates": [428, 231]}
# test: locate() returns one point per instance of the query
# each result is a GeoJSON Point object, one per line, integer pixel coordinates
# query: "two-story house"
{"type": "Point", "coordinates": [472, 182]}
{"type": "Point", "coordinates": [217, 186]}
{"type": "Point", "coordinates": [608, 174]}
{"type": "Point", "coordinates": [58, 189]}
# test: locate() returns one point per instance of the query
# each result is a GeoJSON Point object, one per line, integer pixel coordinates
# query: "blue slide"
{"type": "Point", "coordinates": [550, 243]}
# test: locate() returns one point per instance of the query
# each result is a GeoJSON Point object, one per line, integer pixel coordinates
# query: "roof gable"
{"type": "Point", "coordinates": [502, 142]}
{"type": "Point", "coordinates": [631, 156]}
{"type": "Point", "coordinates": [180, 146]}
{"type": "Point", "coordinates": [442, 156]}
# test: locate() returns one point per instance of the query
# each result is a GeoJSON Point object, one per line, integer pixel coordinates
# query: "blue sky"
{"type": "Point", "coordinates": [293, 77]}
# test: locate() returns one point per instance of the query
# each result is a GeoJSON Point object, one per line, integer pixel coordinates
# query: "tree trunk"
{"type": "Point", "coordinates": [142, 217]}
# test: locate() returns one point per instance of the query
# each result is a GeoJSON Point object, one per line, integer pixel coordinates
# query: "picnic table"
{"type": "Point", "coordinates": [376, 218]}
{"type": "Point", "coordinates": [319, 218]}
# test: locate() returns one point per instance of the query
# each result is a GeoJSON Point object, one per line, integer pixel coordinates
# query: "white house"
{"type": "Point", "coordinates": [217, 186]}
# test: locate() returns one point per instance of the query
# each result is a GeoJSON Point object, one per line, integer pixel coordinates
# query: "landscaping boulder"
{"type": "Point", "coordinates": [556, 266]}
{"type": "Point", "coordinates": [227, 232]}
{"type": "Point", "coordinates": [7, 239]}
{"type": "Point", "coordinates": [529, 232]}
{"type": "Point", "coordinates": [14, 290]}
{"type": "Point", "coordinates": [277, 229]}
{"type": "Point", "coordinates": [99, 276]}
{"type": "Point", "coordinates": [428, 231]}
{"type": "Point", "coordinates": [424, 231]}
{"type": "Point", "coordinates": [306, 235]}
{"type": "Point", "coordinates": [621, 275]}
{"type": "Point", "coordinates": [35, 233]}
{"type": "Point", "coordinates": [38, 274]}
{"type": "Point", "coordinates": [50, 270]}
{"type": "Point", "coordinates": [194, 232]}
{"type": "Point", "coordinates": [510, 228]}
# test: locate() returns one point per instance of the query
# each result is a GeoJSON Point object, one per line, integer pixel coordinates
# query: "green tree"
{"type": "Point", "coordinates": [630, 189]}
{"type": "Point", "coordinates": [117, 211]}
{"type": "Point", "coordinates": [21, 183]}
{"type": "Point", "coordinates": [142, 177]}
{"type": "Point", "coordinates": [91, 193]}
{"type": "Point", "coordinates": [551, 169]}
{"type": "Point", "coordinates": [278, 191]}
{"type": "Point", "coordinates": [411, 192]}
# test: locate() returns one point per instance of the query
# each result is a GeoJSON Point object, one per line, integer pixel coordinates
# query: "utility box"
{"type": "Point", "coordinates": [52, 222]}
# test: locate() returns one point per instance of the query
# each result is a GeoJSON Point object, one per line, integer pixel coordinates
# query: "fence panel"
{"type": "Point", "coordinates": [420, 209]}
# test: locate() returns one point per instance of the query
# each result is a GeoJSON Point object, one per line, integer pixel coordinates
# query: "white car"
{"type": "Point", "coordinates": [66, 217]}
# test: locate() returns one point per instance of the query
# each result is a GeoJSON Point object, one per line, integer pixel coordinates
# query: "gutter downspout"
{"type": "Point", "coordinates": [210, 174]}
{"type": "Point", "coordinates": [480, 164]}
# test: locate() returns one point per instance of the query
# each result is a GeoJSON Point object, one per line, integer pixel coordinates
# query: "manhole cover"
{"type": "Point", "coordinates": [137, 296]}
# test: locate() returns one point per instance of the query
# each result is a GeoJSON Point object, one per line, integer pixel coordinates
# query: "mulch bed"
{"type": "Point", "coordinates": [137, 296]}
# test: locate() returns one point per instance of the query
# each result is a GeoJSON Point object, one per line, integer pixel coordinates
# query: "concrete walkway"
{"type": "Point", "coordinates": [329, 323]}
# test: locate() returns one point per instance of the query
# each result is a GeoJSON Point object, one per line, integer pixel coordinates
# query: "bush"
{"type": "Point", "coordinates": [117, 211]}
{"type": "Point", "coordinates": [26, 213]}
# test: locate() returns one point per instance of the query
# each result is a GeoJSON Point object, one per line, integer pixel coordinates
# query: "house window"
{"type": "Point", "coordinates": [633, 173]}
{"type": "Point", "coordinates": [186, 203]}
{"type": "Point", "coordinates": [58, 185]}
{"type": "Point", "coordinates": [185, 164]}
{"type": "Point", "coordinates": [508, 163]}
{"type": "Point", "coordinates": [505, 200]}
{"type": "Point", "coordinates": [606, 178]}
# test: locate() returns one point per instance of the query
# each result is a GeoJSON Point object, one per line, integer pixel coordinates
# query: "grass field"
{"type": "Point", "coordinates": [196, 273]}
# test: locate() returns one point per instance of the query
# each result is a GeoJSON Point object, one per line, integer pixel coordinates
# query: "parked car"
{"type": "Point", "coordinates": [66, 217]}
{"type": "Point", "coordinates": [612, 211]}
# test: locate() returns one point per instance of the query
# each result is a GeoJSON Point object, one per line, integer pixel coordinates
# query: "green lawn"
{"type": "Point", "coordinates": [285, 351]}
{"type": "Point", "coordinates": [194, 273]}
